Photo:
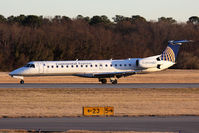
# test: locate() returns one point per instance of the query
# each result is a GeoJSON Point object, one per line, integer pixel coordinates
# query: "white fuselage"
{"type": "Point", "coordinates": [85, 67]}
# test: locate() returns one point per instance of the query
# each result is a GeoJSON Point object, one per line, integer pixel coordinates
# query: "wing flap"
{"type": "Point", "coordinates": [107, 74]}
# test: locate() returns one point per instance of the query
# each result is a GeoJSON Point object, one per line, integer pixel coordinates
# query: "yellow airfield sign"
{"type": "Point", "coordinates": [108, 111]}
{"type": "Point", "coordinates": [98, 111]}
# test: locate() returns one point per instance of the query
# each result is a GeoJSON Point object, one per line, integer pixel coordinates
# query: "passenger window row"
{"type": "Point", "coordinates": [106, 65]}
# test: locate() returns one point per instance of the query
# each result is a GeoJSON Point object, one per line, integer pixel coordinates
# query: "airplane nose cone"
{"type": "Point", "coordinates": [11, 73]}
{"type": "Point", "coordinates": [17, 72]}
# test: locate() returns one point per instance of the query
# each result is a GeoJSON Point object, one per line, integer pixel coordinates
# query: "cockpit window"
{"type": "Point", "coordinates": [27, 65]}
{"type": "Point", "coordinates": [30, 65]}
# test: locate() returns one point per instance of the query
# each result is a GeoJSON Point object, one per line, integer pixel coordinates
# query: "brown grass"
{"type": "Point", "coordinates": [69, 102]}
{"type": "Point", "coordinates": [74, 131]}
{"type": "Point", "coordinates": [167, 76]}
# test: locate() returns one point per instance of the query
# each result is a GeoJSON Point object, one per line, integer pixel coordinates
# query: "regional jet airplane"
{"type": "Point", "coordinates": [101, 69]}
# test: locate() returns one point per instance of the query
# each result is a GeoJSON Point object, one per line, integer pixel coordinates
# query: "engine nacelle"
{"type": "Point", "coordinates": [146, 63]}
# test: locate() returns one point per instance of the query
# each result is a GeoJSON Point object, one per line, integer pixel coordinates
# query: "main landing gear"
{"type": "Point", "coordinates": [22, 82]}
{"type": "Point", "coordinates": [103, 81]}
{"type": "Point", "coordinates": [112, 80]}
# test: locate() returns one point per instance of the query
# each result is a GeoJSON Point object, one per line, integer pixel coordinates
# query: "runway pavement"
{"type": "Point", "coordinates": [94, 85]}
{"type": "Point", "coordinates": [184, 124]}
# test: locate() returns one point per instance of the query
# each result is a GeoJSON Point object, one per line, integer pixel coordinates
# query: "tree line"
{"type": "Point", "coordinates": [36, 38]}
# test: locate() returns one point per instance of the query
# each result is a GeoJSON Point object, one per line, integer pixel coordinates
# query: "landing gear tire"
{"type": "Point", "coordinates": [114, 81]}
{"type": "Point", "coordinates": [22, 82]}
{"type": "Point", "coordinates": [103, 81]}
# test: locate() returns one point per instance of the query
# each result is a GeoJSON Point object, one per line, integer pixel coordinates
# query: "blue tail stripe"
{"type": "Point", "coordinates": [175, 48]}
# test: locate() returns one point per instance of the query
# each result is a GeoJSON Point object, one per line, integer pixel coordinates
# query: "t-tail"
{"type": "Point", "coordinates": [163, 61]}
{"type": "Point", "coordinates": [171, 52]}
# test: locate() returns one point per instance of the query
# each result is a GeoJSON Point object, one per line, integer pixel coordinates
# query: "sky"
{"type": "Point", "coordinates": [180, 10]}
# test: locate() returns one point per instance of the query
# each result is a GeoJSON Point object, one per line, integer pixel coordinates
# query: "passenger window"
{"type": "Point", "coordinates": [124, 64]}
{"type": "Point", "coordinates": [111, 65]}
{"type": "Point", "coordinates": [115, 64]}
{"type": "Point", "coordinates": [81, 65]}
{"type": "Point", "coordinates": [47, 66]}
{"type": "Point", "coordinates": [86, 65]}
{"type": "Point", "coordinates": [67, 66]}
{"type": "Point", "coordinates": [57, 66]}
{"type": "Point", "coordinates": [62, 66]}
{"type": "Point", "coordinates": [76, 65]}
{"type": "Point", "coordinates": [71, 65]}
{"type": "Point", "coordinates": [95, 65]}
{"type": "Point", "coordinates": [91, 65]}
{"type": "Point", "coordinates": [52, 66]}
{"type": "Point", "coordinates": [120, 64]}
{"type": "Point", "coordinates": [129, 64]}
{"type": "Point", "coordinates": [106, 65]}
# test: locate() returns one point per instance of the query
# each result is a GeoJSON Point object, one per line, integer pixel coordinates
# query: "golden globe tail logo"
{"type": "Point", "coordinates": [168, 55]}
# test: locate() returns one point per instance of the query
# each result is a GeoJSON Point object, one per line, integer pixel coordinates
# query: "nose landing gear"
{"type": "Point", "coordinates": [19, 77]}
{"type": "Point", "coordinates": [22, 82]}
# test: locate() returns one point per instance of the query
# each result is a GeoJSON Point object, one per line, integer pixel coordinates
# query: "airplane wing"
{"type": "Point", "coordinates": [107, 74]}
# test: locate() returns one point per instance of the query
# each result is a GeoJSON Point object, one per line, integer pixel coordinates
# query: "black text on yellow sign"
{"type": "Point", "coordinates": [98, 111]}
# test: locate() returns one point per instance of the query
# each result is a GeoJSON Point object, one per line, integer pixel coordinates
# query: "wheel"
{"type": "Point", "coordinates": [103, 81]}
{"type": "Point", "coordinates": [21, 82]}
{"type": "Point", "coordinates": [114, 81]}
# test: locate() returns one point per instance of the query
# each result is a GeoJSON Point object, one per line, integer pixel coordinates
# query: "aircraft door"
{"type": "Point", "coordinates": [41, 67]}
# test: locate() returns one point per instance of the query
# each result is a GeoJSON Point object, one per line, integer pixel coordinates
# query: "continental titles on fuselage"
{"type": "Point", "coordinates": [75, 63]}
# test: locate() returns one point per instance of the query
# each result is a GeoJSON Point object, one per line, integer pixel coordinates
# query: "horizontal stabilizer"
{"type": "Point", "coordinates": [180, 41]}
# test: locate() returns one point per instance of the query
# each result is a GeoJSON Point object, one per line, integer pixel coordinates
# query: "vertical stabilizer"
{"type": "Point", "coordinates": [171, 52]}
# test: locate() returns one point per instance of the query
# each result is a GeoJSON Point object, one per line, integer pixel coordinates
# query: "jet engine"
{"type": "Point", "coordinates": [147, 63]}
